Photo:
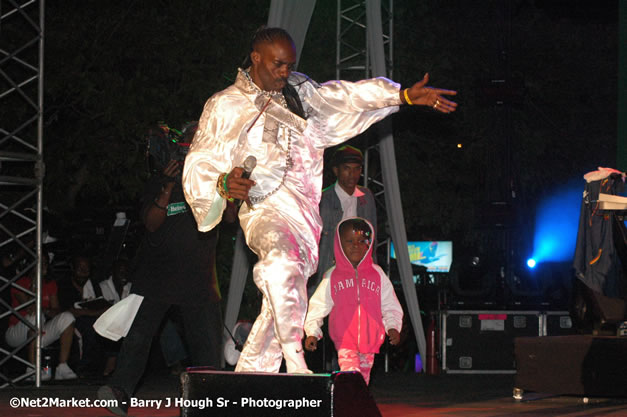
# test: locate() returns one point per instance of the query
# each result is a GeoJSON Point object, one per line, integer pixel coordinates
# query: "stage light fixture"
{"type": "Point", "coordinates": [531, 263]}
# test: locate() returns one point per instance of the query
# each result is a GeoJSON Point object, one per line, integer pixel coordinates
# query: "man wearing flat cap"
{"type": "Point", "coordinates": [339, 201]}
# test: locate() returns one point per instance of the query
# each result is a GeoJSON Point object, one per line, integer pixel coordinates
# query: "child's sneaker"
{"type": "Point", "coordinates": [64, 372]}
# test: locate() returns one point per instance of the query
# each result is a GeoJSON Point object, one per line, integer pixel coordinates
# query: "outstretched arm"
{"type": "Point", "coordinates": [421, 95]}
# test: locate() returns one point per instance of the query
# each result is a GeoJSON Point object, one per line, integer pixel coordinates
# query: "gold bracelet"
{"type": "Point", "coordinates": [220, 186]}
{"type": "Point", "coordinates": [407, 97]}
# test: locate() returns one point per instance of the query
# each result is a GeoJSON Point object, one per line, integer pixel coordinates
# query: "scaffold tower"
{"type": "Point", "coordinates": [21, 174]}
{"type": "Point", "coordinates": [365, 49]}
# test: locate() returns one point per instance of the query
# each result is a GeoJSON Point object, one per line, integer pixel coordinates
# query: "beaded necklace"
{"type": "Point", "coordinates": [289, 162]}
{"type": "Point", "coordinates": [278, 95]}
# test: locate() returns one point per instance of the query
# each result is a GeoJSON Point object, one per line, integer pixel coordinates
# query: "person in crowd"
{"type": "Point", "coordinates": [175, 266]}
{"type": "Point", "coordinates": [342, 200]}
{"type": "Point", "coordinates": [359, 299]}
{"type": "Point", "coordinates": [285, 120]}
{"type": "Point", "coordinates": [77, 295]}
{"type": "Point", "coordinates": [115, 288]}
{"type": "Point", "coordinates": [14, 255]}
{"type": "Point", "coordinates": [57, 324]}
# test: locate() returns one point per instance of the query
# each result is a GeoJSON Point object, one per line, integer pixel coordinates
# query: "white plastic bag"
{"type": "Point", "coordinates": [116, 321]}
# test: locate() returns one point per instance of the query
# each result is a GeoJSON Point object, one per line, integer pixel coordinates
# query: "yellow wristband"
{"type": "Point", "coordinates": [407, 97]}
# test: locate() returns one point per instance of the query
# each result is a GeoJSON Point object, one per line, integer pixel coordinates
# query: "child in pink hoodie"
{"type": "Point", "coordinates": [360, 299]}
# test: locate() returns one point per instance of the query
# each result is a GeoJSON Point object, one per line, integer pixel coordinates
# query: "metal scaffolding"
{"type": "Point", "coordinates": [352, 52]}
{"type": "Point", "coordinates": [21, 174]}
{"type": "Point", "coordinates": [365, 49]}
{"type": "Point", "coordinates": [353, 63]}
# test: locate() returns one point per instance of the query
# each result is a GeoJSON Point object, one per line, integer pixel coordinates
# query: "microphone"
{"type": "Point", "coordinates": [249, 164]}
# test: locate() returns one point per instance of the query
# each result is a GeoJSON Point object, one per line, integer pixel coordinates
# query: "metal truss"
{"type": "Point", "coordinates": [363, 52]}
{"type": "Point", "coordinates": [353, 63]}
{"type": "Point", "coordinates": [352, 52]}
{"type": "Point", "coordinates": [21, 174]}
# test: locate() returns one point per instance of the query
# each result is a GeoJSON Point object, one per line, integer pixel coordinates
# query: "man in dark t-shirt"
{"type": "Point", "coordinates": [175, 266]}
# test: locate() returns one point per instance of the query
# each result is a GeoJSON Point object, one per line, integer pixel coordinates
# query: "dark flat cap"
{"type": "Point", "coordinates": [347, 154]}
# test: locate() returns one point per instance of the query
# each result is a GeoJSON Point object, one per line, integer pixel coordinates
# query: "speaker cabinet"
{"type": "Point", "coordinates": [210, 393]}
{"type": "Point", "coordinates": [572, 365]}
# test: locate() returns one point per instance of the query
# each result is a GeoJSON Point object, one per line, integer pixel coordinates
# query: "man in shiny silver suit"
{"type": "Point", "coordinates": [286, 121]}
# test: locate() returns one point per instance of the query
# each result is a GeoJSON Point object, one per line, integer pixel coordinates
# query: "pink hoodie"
{"type": "Point", "coordinates": [355, 322]}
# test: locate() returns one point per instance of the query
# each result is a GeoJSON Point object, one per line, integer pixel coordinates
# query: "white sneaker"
{"type": "Point", "coordinates": [295, 359]}
{"type": "Point", "coordinates": [64, 372]}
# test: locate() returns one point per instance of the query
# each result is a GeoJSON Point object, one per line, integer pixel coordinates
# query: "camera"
{"type": "Point", "coordinates": [165, 143]}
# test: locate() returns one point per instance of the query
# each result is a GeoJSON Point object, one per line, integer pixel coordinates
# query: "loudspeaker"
{"type": "Point", "coordinates": [572, 365]}
{"type": "Point", "coordinates": [210, 393]}
{"type": "Point", "coordinates": [608, 309]}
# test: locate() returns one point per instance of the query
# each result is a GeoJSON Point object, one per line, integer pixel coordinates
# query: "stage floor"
{"type": "Point", "coordinates": [396, 394]}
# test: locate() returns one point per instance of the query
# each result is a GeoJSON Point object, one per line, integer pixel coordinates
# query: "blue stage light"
{"type": "Point", "coordinates": [557, 219]}
{"type": "Point", "coordinates": [531, 262]}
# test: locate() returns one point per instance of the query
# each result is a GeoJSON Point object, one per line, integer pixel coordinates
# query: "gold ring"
{"type": "Point", "coordinates": [436, 104]}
